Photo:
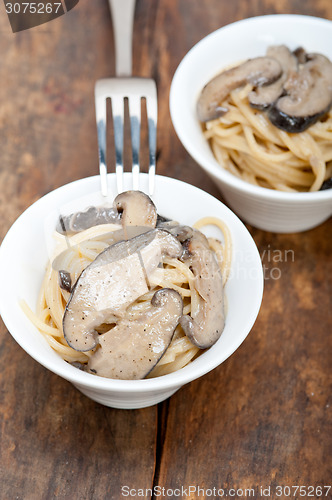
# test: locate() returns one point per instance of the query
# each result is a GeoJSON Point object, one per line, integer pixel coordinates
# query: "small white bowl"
{"type": "Point", "coordinates": [263, 208]}
{"type": "Point", "coordinates": [24, 255]}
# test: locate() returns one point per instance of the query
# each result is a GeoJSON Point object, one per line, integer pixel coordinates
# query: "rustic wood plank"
{"type": "Point", "coordinates": [55, 442]}
{"type": "Point", "coordinates": [262, 418]}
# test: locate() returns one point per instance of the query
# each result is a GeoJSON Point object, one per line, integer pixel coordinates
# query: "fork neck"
{"type": "Point", "coordinates": [122, 12]}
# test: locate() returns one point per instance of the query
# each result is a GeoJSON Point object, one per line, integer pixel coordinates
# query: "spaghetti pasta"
{"type": "Point", "coordinates": [249, 146]}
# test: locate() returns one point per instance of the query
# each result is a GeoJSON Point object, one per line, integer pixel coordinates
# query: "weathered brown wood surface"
{"type": "Point", "coordinates": [263, 418]}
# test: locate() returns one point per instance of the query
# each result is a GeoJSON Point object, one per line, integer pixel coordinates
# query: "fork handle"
{"type": "Point", "coordinates": [123, 19]}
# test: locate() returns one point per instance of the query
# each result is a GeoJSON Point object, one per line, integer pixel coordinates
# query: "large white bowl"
{"type": "Point", "coordinates": [24, 255]}
{"type": "Point", "coordinates": [264, 208]}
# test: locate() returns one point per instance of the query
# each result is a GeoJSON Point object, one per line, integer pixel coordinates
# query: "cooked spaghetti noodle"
{"type": "Point", "coordinates": [76, 252]}
{"type": "Point", "coordinates": [249, 146]}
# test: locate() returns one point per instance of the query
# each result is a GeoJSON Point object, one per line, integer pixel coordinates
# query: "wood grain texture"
{"type": "Point", "coordinates": [56, 443]}
{"type": "Point", "coordinates": [264, 416]}
{"type": "Point", "coordinates": [266, 412]}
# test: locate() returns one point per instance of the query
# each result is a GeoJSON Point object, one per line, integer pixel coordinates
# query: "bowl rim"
{"type": "Point", "coordinates": [210, 165]}
{"type": "Point", "coordinates": [87, 380]}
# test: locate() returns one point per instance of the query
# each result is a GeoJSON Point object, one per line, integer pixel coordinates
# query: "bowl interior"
{"type": "Point", "coordinates": [25, 251]}
{"type": "Point", "coordinates": [228, 45]}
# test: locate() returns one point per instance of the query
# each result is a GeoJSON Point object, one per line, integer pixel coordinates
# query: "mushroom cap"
{"type": "Point", "coordinates": [133, 347]}
{"type": "Point", "coordinates": [92, 216]}
{"type": "Point", "coordinates": [206, 321]}
{"type": "Point", "coordinates": [259, 71]}
{"type": "Point", "coordinates": [308, 96]}
{"type": "Point", "coordinates": [264, 96]}
{"type": "Point", "coordinates": [136, 209]}
{"type": "Point", "coordinates": [115, 279]}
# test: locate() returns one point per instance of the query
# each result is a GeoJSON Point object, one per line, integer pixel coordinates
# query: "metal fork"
{"type": "Point", "coordinates": [118, 89]}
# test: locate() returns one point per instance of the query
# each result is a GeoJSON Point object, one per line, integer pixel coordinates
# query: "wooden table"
{"type": "Point", "coordinates": [264, 417]}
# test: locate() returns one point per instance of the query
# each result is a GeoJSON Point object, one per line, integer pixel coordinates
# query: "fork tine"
{"type": "Point", "coordinates": [152, 114]}
{"type": "Point", "coordinates": [119, 90]}
{"type": "Point", "coordinates": [134, 104]}
{"type": "Point", "coordinates": [101, 134]}
{"type": "Point", "coordinates": [118, 120]}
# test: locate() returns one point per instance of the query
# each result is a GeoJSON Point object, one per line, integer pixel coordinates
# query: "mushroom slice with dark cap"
{"type": "Point", "coordinates": [327, 184]}
{"type": "Point", "coordinates": [206, 321]}
{"type": "Point", "coordinates": [308, 96]}
{"type": "Point", "coordinates": [300, 55]}
{"type": "Point", "coordinates": [258, 71]}
{"type": "Point", "coordinates": [64, 280]}
{"type": "Point", "coordinates": [136, 209]}
{"type": "Point", "coordinates": [92, 216]}
{"type": "Point", "coordinates": [115, 279]}
{"type": "Point", "coordinates": [264, 96]}
{"type": "Point", "coordinates": [134, 346]}
{"type": "Point", "coordinates": [182, 233]}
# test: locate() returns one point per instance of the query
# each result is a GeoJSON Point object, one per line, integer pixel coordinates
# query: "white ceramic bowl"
{"type": "Point", "coordinates": [263, 208]}
{"type": "Point", "coordinates": [24, 255]}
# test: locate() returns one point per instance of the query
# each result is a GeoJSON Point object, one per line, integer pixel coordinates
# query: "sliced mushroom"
{"type": "Point", "coordinates": [264, 96]}
{"type": "Point", "coordinates": [326, 184]}
{"type": "Point", "coordinates": [308, 96]}
{"type": "Point", "coordinates": [131, 208]}
{"type": "Point", "coordinates": [136, 209]}
{"type": "Point", "coordinates": [162, 220]}
{"type": "Point", "coordinates": [115, 279]}
{"type": "Point", "coordinates": [259, 71]}
{"type": "Point", "coordinates": [92, 216]}
{"type": "Point", "coordinates": [133, 347]}
{"type": "Point", "coordinates": [206, 321]}
{"type": "Point", "coordinates": [300, 55]}
{"type": "Point", "coordinates": [110, 238]}
{"type": "Point", "coordinates": [182, 233]}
